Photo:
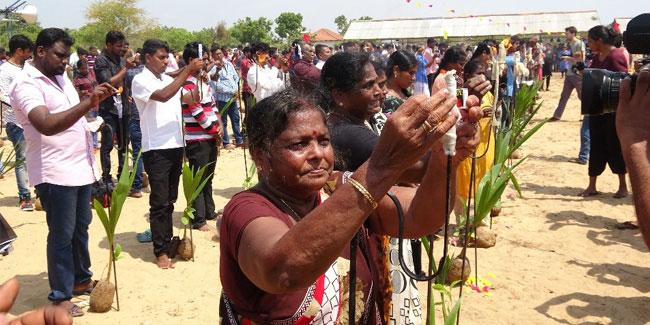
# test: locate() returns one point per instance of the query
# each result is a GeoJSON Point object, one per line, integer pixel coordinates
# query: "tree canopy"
{"type": "Point", "coordinates": [137, 26]}
{"type": "Point", "coordinates": [249, 30]}
{"type": "Point", "coordinates": [289, 26]}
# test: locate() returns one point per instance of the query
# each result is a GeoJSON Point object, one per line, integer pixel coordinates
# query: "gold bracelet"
{"type": "Point", "coordinates": [363, 192]}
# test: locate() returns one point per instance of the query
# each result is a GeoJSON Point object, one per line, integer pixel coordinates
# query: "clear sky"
{"type": "Point", "coordinates": [194, 15]}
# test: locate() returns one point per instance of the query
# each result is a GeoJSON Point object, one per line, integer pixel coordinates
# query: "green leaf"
{"type": "Point", "coordinates": [121, 192]}
{"type": "Point", "coordinates": [451, 319]}
{"type": "Point", "coordinates": [515, 183]}
{"type": "Point", "coordinates": [103, 217]}
{"type": "Point", "coordinates": [185, 221]}
{"type": "Point", "coordinates": [227, 105]}
{"type": "Point", "coordinates": [187, 181]}
{"type": "Point", "coordinates": [117, 252]}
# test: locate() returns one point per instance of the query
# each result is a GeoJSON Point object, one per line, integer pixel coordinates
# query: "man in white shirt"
{"type": "Point", "coordinates": [323, 52]}
{"type": "Point", "coordinates": [266, 80]}
{"type": "Point", "coordinates": [157, 97]}
{"type": "Point", "coordinates": [20, 50]}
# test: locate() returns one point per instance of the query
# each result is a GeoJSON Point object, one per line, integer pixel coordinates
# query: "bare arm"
{"type": "Point", "coordinates": [163, 95]}
{"type": "Point", "coordinates": [633, 128]}
{"type": "Point", "coordinates": [279, 260]}
{"type": "Point", "coordinates": [52, 123]}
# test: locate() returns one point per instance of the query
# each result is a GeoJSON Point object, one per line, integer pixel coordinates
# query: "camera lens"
{"type": "Point", "coordinates": [600, 91]}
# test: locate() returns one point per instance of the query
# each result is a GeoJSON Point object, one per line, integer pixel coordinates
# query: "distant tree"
{"type": "Point", "coordinates": [365, 18]}
{"type": "Point", "coordinates": [289, 26]}
{"type": "Point", "coordinates": [121, 15]}
{"type": "Point", "coordinates": [205, 36]}
{"type": "Point", "coordinates": [249, 30]}
{"type": "Point", "coordinates": [89, 34]}
{"type": "Point", "coordinates": [29, 30]}
{"type": "Point", "coordinates": [342, 24]}
{"type": "Point", "coordinates": [175, 37]}
{"type": "Point", "coordinates": [222, 33]}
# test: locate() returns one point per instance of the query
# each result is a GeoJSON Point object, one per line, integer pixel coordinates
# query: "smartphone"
{"type": "Point", "coordinates": [461, 97]}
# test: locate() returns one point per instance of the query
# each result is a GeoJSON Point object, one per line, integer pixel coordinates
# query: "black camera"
{"type": "Point", "coordinates": [600, 88]}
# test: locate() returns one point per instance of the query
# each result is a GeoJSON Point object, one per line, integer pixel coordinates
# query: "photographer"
{"type": "Point", "coordinates": [633, 128]}
{"type": "Point", "coordinates": [605, 147]}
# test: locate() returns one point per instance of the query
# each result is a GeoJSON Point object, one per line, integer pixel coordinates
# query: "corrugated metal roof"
{"type": "Point", "coordinates": [482, 25]}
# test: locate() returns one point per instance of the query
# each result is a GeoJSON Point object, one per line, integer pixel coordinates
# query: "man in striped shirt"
{"type": "Point", "coordinates": [203, 132]}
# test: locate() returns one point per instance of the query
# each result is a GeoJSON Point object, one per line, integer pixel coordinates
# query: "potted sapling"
{"type": "Point", "coordinates": [101, 298]}
{"type": "Point", "coordinates": [193, 184]}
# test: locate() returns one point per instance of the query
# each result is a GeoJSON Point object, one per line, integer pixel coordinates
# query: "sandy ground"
{"type": "Point", "coordinates": [559, 258]}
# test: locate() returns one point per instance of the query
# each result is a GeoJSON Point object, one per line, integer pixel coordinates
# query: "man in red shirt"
{"type": "Point", "coordinates": [305, 76]}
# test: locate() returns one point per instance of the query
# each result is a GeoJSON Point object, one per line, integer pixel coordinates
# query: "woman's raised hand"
{"type": "Point", "coordinates": [412, 130]}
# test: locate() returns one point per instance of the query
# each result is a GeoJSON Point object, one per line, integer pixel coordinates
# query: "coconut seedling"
{"type": "Point", "coordinates": [8, 163]}
{"type": "Point", "coordinates": [193, 184]}
{"type": "Point", "coordinates": [101, 298]}
{"type": "Point", "coordinates": [447, 279]}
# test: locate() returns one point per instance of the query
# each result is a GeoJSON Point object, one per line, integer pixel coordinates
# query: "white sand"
{"type": "Point", "coordinates": [558, 258]}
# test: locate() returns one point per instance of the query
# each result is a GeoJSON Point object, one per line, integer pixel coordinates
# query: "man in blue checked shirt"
{"type": "Point", "coordinates": [224, 81]}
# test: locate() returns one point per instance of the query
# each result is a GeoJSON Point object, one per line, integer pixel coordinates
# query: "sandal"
{"type": "Point", "coordinates": [86, 291]}
{"type": "Point", "coordinates": [74, 310]}
{"type": "Point", "coordinates": [626, 225]}
{"type": "Point", "coordinates": [585, 194]}
{"type": "Point", "coordinates": [577, 161]}
{"type": "Point", "coordinates": [144, 237]}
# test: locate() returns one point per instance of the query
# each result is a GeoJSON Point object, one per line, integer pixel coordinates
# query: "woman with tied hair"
{"type": "Point", "coordinates": [285, 242]}
{"type": "Point", "coordinates": [605, 146]}
{"type": "Point", "coordinates": [354, 90]}
{"type": "Point", "coordinates": [401, 68]}
{"type": "Point", "coordinates": [454, 59]}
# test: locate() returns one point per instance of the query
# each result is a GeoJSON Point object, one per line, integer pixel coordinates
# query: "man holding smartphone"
{"type": "Point", "coordinates": [111, 67]}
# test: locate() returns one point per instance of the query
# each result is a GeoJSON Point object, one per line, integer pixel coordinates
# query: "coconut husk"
{"type": "Point", "coordinates": [101, 298]}
{"type": "Point", "coordinates": [455, 270]}
{"type": "Point", "coordinates": [185, 249]}
{"type": "Point", "coordinates": [495, 211]}
{"type": "Point", "coordinates": [485, 238]}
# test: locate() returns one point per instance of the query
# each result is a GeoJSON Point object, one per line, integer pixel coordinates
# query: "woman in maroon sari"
{"type": "Point", "coordinates": [605, 146]}
{"type": "Point", "coordinates": [285, 243]}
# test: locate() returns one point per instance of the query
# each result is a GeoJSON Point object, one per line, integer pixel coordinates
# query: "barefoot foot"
{"type": "Point", "coordinates": [164, 262]}
{"type": "Point", "coordinates": [207, 228]}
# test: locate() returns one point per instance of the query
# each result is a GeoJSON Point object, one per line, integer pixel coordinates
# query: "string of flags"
{"type": "Point", "coordinates": [481, 18]}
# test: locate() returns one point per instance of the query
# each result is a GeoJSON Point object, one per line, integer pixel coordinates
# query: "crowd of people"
{"type": "Point", "coordinates": [335, 133]}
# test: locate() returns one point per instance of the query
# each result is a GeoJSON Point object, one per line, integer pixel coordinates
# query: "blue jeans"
{"type": "Point", "coordinates": [95, 143]}
{"type": "Point", "coordinates": [585, 140]}
{"type": "Point", "coordinates": [136, 145]}
{"type": "Point", "coordinates": [15, 135]}
{"type": "Point", "coordinates": [233, 112]}
{"type": "Point", "coordinates": [67, 211]}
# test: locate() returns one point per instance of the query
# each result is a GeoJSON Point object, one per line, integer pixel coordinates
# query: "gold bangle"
{"type": "Point", "coordinates": [363, 192]}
